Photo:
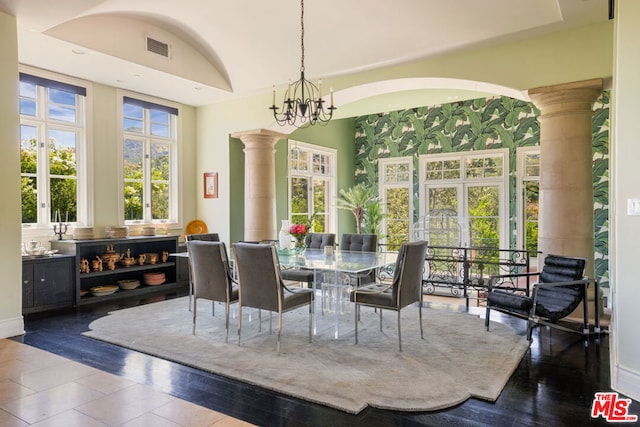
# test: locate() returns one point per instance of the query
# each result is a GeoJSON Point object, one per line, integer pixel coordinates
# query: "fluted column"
{"type": "Point", "coordinates": [566, 178]}
{"type": "Point", "coordinates": [566, 158]}
{"type": "Point", "coordinates": [259, 183]}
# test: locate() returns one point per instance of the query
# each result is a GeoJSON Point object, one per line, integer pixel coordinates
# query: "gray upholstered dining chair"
{"type": "Point", "coordinates": [405, 289]}
{"type": "Point", "coordinates": [311, 241]}
{"type": "Point", "coordinates": [211, 276]}
{"type": "Point", "coordinates": [207, 237]}
{"type": "Point", "coordinates": [261, 285]}
{"type": "Point", "coordinates": [360, 243]}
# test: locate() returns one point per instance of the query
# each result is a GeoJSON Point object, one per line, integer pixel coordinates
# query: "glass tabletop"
{"type": "Point", "coordinates": [344, 261]}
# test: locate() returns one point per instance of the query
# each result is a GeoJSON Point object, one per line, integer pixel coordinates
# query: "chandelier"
{"type": "Point", "coordinates": [303, 104]}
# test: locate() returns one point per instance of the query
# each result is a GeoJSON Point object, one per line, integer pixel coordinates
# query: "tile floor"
{"type": "Point", "coordinates": [42, 389]}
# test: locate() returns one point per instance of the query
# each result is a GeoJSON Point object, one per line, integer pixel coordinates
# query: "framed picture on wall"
{"type": "Point", "coordinates": [211, 185]}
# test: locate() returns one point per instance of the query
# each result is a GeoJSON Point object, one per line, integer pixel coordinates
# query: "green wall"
{"type": "Point", "coordinates": [479, 124]}
{"type": "Point", "coordinates": [337, 134]}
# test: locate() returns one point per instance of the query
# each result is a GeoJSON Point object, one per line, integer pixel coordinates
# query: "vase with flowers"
{"type": "Point", "coordinates": [299, 231]}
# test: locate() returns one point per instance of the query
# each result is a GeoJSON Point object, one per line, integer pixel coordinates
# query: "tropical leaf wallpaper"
{"type": "Point", "coordinates": [480, 124]}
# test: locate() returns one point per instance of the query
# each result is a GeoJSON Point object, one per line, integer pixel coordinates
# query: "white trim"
{"type": "Point", "coordinates": [84, 151]}
{"type": "Point", "coordinates": [521, 154]}
{"type": "Point", "coordinates": [462, 184]}
{"type": "Point", "coordinates": [175, 195]}
{"type": "Point", "coordinates": [382, 186]}
{"type": "Point", "coordinates": [626, 381]}
{"type": "Point", "coordinates": [12, 327]}
{"type": "Point", "coordinates": [332, 177]}
{"type": "Point", "coordinates": [367, 90]}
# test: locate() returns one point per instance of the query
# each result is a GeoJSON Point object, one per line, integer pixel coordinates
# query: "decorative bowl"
{"type": "Point", "coordinates": [100, 291]}
{"type": "Point", "coordinates": [128, 284]}
{"type": "Point", "coordinates": [290, 252]}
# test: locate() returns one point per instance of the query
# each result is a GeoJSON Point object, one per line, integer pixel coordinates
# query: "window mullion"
{"type": "Point", "coordinates": [44, 175]}
{"type": "Point", "coordinates": [146, 192]}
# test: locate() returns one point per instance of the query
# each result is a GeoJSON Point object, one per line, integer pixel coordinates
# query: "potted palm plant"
{"type": "Point", "coordinates": [365, 206]}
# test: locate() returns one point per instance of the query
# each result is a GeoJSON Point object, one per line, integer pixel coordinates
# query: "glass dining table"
{"type": "Point", "coordinates": [323, 266]}
{"type": "Point", "coordinates": [338, 264]}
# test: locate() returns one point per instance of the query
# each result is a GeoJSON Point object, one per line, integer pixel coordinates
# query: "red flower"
{"type": "Point", "coordinates": [298, 230]}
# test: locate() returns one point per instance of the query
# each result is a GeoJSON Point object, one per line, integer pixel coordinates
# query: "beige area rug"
{"type": "Point", "coordinates": [457, 359]}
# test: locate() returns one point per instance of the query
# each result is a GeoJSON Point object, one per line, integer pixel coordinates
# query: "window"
{"type": "Point", "coordinates": [149, 152]}
{"type": "Point", "coordinates": [528, 196]}
{"type": "Point", "coordinates": [473, 186]}
{"type": "Point", "coordinates": [312, 185]}
{"type": "Point", "coordinates": [395, 191]}
{"type": "Point", "coordinates": [52, 147]}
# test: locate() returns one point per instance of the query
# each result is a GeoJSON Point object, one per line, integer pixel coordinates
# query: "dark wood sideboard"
{"type": "Point", "coordinates": [90, 249]}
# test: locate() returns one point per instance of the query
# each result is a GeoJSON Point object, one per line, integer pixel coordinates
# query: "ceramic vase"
{"type": "Point", "coordinates": [284, 238]}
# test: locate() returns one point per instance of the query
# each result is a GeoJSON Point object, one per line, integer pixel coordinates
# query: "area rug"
{"type": "Point", "coordinates": [458, 359]}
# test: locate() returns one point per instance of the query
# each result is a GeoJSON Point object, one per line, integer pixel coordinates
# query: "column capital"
{"type": "Point", "coordinates": [259, 135]}
{"type": "Point", "coordinates": [566, 97]}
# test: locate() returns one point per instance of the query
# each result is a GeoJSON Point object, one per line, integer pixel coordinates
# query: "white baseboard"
{"type": "Point", "coordinates": [11, 327]}
{"type": "Point", "coordinates": [627, 382]}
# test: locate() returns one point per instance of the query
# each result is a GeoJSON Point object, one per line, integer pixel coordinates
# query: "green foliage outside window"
{"type": "Point", "coordinates": [63, 182]}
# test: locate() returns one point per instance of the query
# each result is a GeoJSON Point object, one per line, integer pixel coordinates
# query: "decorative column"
{"type": "Point", "coordinates": [566, 161]}
{"type": "Point", "coordinates": [259, 183]}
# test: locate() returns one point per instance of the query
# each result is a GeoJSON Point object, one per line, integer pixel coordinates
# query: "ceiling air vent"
{"type": "Point", "coordinates": [157, 47]}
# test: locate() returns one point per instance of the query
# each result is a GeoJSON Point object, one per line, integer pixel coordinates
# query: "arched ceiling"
{"type": "Point", "coordinates": [220, 50]}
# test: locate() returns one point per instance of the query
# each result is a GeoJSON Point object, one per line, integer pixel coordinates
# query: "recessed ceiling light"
{"type": "Point", "coordinates": [79, 51]}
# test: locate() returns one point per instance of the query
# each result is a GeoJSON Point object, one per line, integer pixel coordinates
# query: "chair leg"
{"type": "Point", "coordinates": [213, 308]}
{"type": "Point", "coordinates": [226, 338]}
{"type": "Point", "coordinates": [399, 334]}
{"type": "Point", "coordinates": [380, 320]}
{"type": "Point", "coordinates": [585, 307]}
{"type": "Point", "coordinates": [530, 325]}
{"type": "Point", "coordinates": [356, 320]}
{"type": "Point", "coordinates": [420, 315]}
{"type": "Point", "coordinates": [310, 321]}
{"type": "Point", "coordinates": [486, 318]}
{"type": "Point", "coordinates": [239, 321]}
{"type": "Point", "coordinates": [193, 331]}
{"type": "Point", "coordinates": [279, 328]}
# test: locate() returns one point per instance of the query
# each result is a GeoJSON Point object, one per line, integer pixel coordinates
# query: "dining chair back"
{"type": "Point", "coordinates": [208, 237]}
{"type": "Point", "coordinates": [319, 240]}
{"type": "Point", "coordinates": [359, 242]}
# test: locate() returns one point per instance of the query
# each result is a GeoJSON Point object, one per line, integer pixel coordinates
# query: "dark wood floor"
{"type": "Point", "coordinates": [554, 384]}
